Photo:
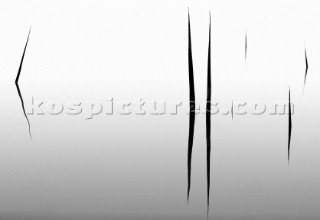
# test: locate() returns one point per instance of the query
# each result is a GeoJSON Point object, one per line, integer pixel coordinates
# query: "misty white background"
{"type": "Point", "coordinates": [135, 167]}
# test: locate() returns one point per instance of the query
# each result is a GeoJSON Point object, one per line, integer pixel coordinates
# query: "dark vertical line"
{"type": "Point", "coordinates": [246, 46]}
{"type": "Point", "coordinates": [208, 117]}
{"type": "Point", "coordinates": [232, 110]}
{"type": "Point", "coordinates": [17, 84]}
{"type": "Point", "coordinates": [192, 106]}
{"type": "Point", "coordinates": [289, 127]}
{"type": "Point", "coordinates": [307, 67]}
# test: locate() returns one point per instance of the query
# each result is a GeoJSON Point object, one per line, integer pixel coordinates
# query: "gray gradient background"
{"type": "Point", "coordinates": [135, 167]}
